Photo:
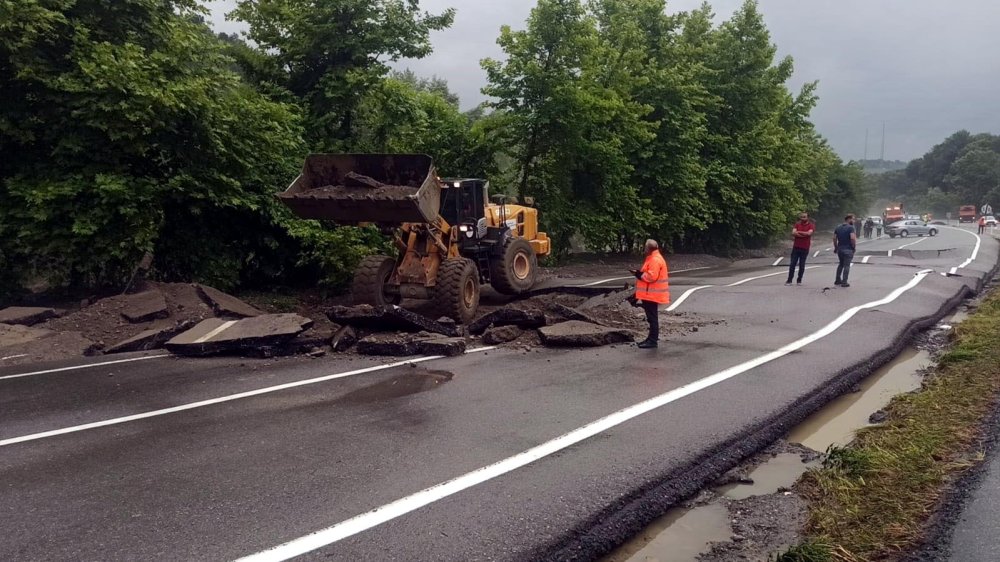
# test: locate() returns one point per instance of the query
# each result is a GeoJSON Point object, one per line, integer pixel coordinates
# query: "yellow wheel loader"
{"type": "Point", "coordinates": [450, 238]}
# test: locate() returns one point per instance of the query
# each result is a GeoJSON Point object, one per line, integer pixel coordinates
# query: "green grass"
{"type": "Point", "coordinates": [871, 500]}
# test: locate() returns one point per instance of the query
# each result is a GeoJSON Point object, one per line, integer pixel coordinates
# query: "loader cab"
{"type": "Point", "coordinates": [463, 201]}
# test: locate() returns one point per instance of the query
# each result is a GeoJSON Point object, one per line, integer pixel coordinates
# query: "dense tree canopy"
{"type": "Point", "coordinates": [129, 127]}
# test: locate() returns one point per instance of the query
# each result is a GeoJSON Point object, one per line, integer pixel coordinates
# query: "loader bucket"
{"type": "Point", "coordinates": [386, 189]}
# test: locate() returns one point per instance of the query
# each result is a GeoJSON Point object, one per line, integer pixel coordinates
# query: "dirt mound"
{"type": "Point", "coordinates": [105, 324]}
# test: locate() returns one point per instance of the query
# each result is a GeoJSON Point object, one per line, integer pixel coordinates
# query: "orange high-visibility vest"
{"type": "Point", "coordinates": [654, 285]}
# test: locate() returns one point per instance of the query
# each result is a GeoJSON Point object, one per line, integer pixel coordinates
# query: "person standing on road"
{"type": "Point", "coordinates": [878, 229]}
{"type": "Point", "coordinates": [801, 241]}
{"type": "Point", "coordinates": [652, 288]}
{"type": "Point", "coordinates": [982, 225]}
{"type": "Point", "coordinates": [845, 242]}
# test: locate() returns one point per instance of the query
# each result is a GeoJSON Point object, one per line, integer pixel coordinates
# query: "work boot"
{"type": "Point", "coordinates": [647, 344]}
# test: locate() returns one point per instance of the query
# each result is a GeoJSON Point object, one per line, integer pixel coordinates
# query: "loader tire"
{"type": "Point", "coordinates": [456, 292]}
{"type": "Point", "coordinates": [370, 279]}
{"type": "Point", "coordinates": [515, 272]}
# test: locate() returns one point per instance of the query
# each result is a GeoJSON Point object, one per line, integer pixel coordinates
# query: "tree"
{"type": "Point", "coordinates": [123, 132]}
{"type": "Point", "coordinates": [329, 53]}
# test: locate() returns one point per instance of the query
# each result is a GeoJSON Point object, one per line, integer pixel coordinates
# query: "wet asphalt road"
{"type": "Point", "coordinates": [241, 475]}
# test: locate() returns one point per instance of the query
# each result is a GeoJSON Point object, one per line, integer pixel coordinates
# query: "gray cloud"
{"type": "Point", "coordinates": [925, 67]}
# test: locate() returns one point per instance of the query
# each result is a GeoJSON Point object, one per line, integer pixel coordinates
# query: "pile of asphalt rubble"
{"type": "Point", "coordinates": [197, 320]}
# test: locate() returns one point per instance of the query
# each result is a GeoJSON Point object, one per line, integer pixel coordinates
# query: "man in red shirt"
{"type": "Point", "coordinates": [801, 240]}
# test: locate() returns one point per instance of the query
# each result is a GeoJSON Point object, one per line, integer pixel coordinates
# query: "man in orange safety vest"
{"type": "Point", "coordinates": [652, 289]}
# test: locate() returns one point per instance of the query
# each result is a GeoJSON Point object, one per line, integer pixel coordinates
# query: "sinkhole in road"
{"type": "Point", "coordinates": [684, 534]}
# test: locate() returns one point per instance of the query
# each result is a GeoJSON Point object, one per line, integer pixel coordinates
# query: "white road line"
{"type": "Point", "coordinates": [685, 296]}
{"type": "Point", "coordinates": [400, 507]}
{"type": "Point", "coordinates": [13, 356]}
{"type": "Point", "coordinates": [777, 261]}
{"type": "Point", "coordinates": [975, 251]}
{"type": "Point", "coordinates": [866, 258]}
{"type": "Point", "coordinates": [912, 243]}
{"type": "Point", "coordinates": [88, 366]}
{"type": "Point", "coordinates": [602, 281]}
{"type": "Point", "coordinates": [889, 253]}
{"type": "Point", "coordinates": [749, 279]}
{"type": "Point", "coordinates": [816, 255]}
{"type": "Point", "coordinates": [220, 400]}
{"type": "Point", "coordinates": [222, 328]}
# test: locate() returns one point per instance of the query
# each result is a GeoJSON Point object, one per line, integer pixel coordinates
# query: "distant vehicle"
{"type": "Point", "coordinates": [938, 222]}
{"type": "Point", "coordinates": [893, 213]}
{"type": "Point", "coordinates": [910, 227]}
{"type": "Point", "coordinates": [991, 221]}
{"type": "Point", "coordinates": [914, 218]}
{"type": "Point", "coordinates": [967, 213]}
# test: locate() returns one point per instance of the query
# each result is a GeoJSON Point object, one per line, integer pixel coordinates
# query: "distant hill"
{"type": "Point", "coordinates": [882, 166]}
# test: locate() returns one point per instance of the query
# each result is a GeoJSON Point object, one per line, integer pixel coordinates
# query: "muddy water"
{"type": "Point", "coordinates": [679, 536]}
{"type": "Point", "coordinates": [835, 423]}
{"type": "Point", "coordinates": [778, 472]}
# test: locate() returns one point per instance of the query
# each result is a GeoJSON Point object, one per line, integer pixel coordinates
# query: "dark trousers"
{"type": "Point", "coordinates": [844, 267]}
{"type": "Point", "coordinates": [799, 256]}
{"type": "Point", "coordinates": [653, 317]}
{"type": "Point", "coordinates": [982, 229]}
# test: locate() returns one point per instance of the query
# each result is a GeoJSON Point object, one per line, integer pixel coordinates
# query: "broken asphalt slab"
{"type": "Point", "coordinates": [449, 347]}
{"type": "Point", "coordinates": [257, 335]}
{"type": "Point", "coordinates": [344, 338]}
{"type": "Point", "coordinates": [227, 305]}
{"type": "Point", "coordinates": [150, 339]}
{"type": "Point", "coordinates": [396, 345]}
{"type": "Point", "coordinates": [145, 306]}
{"type": "Point", "coordinates": [527, 319]}
{"type": "Point", "coordinates": [583, 334]}
{"type": "Point", "coordinates": [25, 315]}
{"type": "Point", "coordinates": [386, 318]}
{"type": "Point", "coordinates": [571, 313]}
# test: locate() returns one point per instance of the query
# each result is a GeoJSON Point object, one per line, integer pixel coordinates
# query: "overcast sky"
{"type": "Point", "coordinates": [927, 68]}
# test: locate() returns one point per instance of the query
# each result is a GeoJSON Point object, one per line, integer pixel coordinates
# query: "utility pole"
{"type": "Point", "coordinates": [883, 142]}
{"type": "Point", "coordinates": [866, 145]}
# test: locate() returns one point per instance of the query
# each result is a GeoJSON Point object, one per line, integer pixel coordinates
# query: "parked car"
{"type": "Point", "coordinates": [910, 227]}
{"type": "Point", "coordinates": [991, 221]}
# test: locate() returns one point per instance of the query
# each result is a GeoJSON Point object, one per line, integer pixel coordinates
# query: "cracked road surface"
{"type": "Point", "coordinates": [494, 455]}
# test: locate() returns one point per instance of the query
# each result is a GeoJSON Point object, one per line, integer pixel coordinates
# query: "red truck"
{"type": "Point", "coordinates": [893, 213]}
{"type": "Point", "coordinates": [967, 213]}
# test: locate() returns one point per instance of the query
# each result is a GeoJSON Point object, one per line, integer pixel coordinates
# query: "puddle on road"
{"type": "Point", "coordinates": [412, 382]}
{"type": "Point", "coordinates": [679, 536]}
{"type": "Point", "coordinates": [780, 471]}
{"type": "Point", "coordinates": [835, 423]}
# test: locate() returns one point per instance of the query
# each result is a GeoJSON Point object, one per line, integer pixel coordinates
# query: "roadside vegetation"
{"type": "Point", "coordinates": [871, 499]}
{"type": "Point", "coordinates": [131, 127]}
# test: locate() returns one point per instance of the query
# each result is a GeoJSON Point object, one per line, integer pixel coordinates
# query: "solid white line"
{"type": "Point", "coordinates": [685, 296]}
{"type": "Point", "coordinates": [975, 251]}
{"type": "Point", "coordinates": [75, 367]}
{"type": "Point", "coordinates": [222, 328]}
{"type": "Point", "coordinates": [13, 356]}
{"type": "Point", "coordinates": [602, 281]}
{"type": "Point", "coordinates": [749, 279]}
{"type": "Point", "coordinates": [913, 243]}
{"type": "Point", "coordinates": [221, 399]}
{"type": "Point", "coordinates": [776, 262]}
{"type": "Point", "coordinates": [866, 258]}
{"type": "Point", "coordinates": [400, 507]}
{"type": "Point", "coordinates": [816, 255]}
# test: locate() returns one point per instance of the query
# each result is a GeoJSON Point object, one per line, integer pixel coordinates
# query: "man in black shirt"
{"type": "Point", "coordinates": [845, 241]}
